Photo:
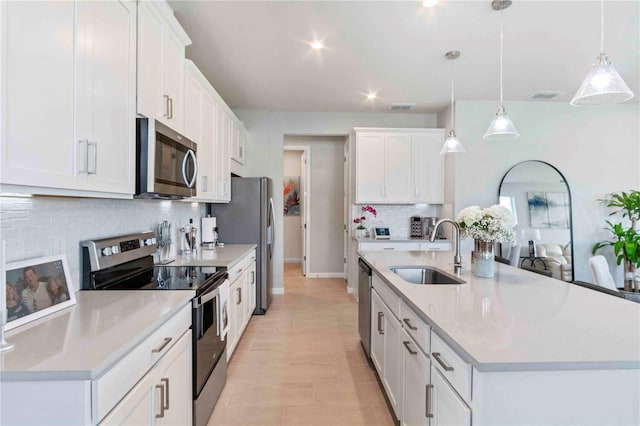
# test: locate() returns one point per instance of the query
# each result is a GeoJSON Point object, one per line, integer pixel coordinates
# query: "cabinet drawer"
{"type": "Point", "coordinates": [112, 386]}
{"type": "Point", "coordinates": [415, 327]}
{"type": "Point", "coordinates": [238, 268]}
{"type": "Point", "coordinates": [451, 366]}
{"type": "Point", "coordinates": [390, 298]}
{"type": "Point", "coordinates": [389, 246]}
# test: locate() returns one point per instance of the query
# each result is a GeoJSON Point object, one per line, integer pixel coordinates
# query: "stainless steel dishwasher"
{"type": "Point", "coordinates": [364, 305]}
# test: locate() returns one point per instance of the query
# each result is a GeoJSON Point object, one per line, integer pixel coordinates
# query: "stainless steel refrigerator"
{"type": "Point", "coordinates": [249, 219]}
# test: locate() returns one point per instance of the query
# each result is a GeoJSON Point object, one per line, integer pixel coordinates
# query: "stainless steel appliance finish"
{"type": "Point", "coordinates": [364, 305]}
{"type": "Point", "coordinates": [250, 219]}
{"type": "Point", "coordinates": [131, 267]}
{"type": "Point", "coordinates": [166, 165]}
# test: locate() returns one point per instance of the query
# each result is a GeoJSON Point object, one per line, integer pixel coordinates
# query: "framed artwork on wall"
{"type": "Point", "coordinates": [549, 209]}
{"type": "Point", "coordinates": [291, 195]}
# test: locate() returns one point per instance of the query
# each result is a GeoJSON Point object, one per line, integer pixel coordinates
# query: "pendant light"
{"type": "Point", "coordinates": [501, 127]}
{"type": "Point", "coordinates": [603, 85]}
{"type": "Point", "coordinates": [452, 144]}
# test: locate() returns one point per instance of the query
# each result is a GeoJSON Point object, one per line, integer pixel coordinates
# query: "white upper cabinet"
{"type": "Point", "coordinates": [105, 107]}
{"type": "Point", "coordinates": [399, 166]}
{"type": "Point", "coordinates": [428, 166]}
{"type": "Point", "coordinates": [223, 151]}
{"type": "Point", "coordinates": [238, 143]}
{"type": "Point", "coordinates": [200, 126]}
{"type": "Point", "coordinates": [398, 171]}
{"type": "Point", "coordinates": [161, 47]}
{"type": "Point", "coordinates": [56, 138]}
{"type": "Point", "coordinates": [370, 178]}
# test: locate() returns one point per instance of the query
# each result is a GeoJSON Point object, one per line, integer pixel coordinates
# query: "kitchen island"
{"type": "Point", "coordinates": [537, 350]}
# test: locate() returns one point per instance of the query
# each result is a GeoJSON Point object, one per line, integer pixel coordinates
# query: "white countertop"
{"type": "Point", "coordinates": [226, 256]}
{"type": "Point", "coordinates": [398, 240]}
{"type": "Point", "coordinates": [519, 320]}
{"type": "Point", "coordinates": [82, 341]}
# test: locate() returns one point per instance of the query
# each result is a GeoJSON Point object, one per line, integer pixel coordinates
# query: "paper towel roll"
{"type": "Point", "coordinates": [208, 225]}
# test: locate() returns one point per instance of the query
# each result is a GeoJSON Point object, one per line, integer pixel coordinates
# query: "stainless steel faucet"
{"type": "Point", "coordinates": [457, 259]}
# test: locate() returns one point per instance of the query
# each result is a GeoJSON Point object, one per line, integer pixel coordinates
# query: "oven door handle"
{"type": "Point", "coordinates": [207, 297]}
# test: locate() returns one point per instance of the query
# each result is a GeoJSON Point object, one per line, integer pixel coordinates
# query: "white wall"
{"type": "Point", "coordinates": [47, 226]}
{"type": "Point", "coordinates": [326, 216]}
{"type": "Point", "coordinates": [597, 149]}
{"type": "Point", "coordinates": [292, 241]}
{"type": "Point", "coordinates": [266, 131]}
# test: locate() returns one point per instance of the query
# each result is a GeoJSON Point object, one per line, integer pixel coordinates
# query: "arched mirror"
{"type": "Point", "coordinates": [539, 197]}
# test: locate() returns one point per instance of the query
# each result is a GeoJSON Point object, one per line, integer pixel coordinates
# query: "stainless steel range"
{"type": "Point", "coordinates": [126, 263]}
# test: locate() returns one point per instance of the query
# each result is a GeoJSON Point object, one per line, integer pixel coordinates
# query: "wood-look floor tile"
{"type": "Point", "coordinates": [302, 363]}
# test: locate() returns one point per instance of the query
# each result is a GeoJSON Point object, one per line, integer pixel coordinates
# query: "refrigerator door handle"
{"type": "Point", "coordinates": [271, 229]}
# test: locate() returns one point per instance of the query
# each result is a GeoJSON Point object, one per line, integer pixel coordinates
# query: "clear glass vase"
{"type": "Point", "coordinates": [483, 259]}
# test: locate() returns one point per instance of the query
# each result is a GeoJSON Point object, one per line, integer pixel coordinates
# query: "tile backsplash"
{"type": "Point", "coordinates": [395, 217]}
{"type": "Point", "coordinates": [46, 226]}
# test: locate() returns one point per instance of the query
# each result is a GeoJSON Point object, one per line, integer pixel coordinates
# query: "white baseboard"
{"type": "Point", "coordinates": [292, 260]}
{"type": "Point", "coordinates": [279, 290]}
{"type": "Point", "coordinates": [325, 275]}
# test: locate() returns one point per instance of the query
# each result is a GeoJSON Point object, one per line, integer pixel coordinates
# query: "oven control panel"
{"type": "Point", "coordinates": [116, 250]}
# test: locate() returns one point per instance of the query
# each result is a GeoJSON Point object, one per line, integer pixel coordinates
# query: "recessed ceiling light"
{"type": "Point", "coordinates": [317, 44]}
{"type": "Point", "coordinates": [371, 96]}
{"type": "Point", "coordinates": [429, 3]}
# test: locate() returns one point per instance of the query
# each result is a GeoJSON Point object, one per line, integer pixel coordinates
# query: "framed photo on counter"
{"type": "Point", "coordinates": [36, 288]}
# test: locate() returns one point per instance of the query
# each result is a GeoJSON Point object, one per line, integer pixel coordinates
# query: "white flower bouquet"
{"type": "Point", "coordinates": [493, 224]}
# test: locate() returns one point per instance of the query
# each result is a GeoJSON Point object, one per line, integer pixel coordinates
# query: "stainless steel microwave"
{"type": "Point", "coordinates": [167, 167]}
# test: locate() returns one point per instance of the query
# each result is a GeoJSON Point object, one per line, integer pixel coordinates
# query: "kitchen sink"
{"type": "Point", "coordinates": [425, 275]}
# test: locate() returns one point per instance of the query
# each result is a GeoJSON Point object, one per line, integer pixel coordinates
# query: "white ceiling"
{"type": "Point", "coordinates": [256, 54]}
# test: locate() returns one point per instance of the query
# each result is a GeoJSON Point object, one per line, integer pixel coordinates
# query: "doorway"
{"type": "Point", "coordinates": [320, 225]}
{"type": "Point", "coordinates": [296, 201]}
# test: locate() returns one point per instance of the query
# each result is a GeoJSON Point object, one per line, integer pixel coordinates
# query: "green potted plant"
{"type": "Point", "coordinates": [624, 240]}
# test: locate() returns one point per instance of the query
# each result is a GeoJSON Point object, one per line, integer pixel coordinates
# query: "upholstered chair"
{"type": "Point", "coordinates": [558, 260]}
{"type": "Point", "coordinates": [600, 272]}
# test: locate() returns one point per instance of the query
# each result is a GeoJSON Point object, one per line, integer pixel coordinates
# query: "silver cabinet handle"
{"type": "Point", "coordinates": [165, 380]}
{"type": "Point", "coordinates": [85, 157]}
{"type": "Point", "coordinates": [411, 351]}
{"type": "Point", "coordinates": [238, 271]}
{"type": "Point", "coordinates": [253, 277]}
{"type": "Point", "coordinates": [162, 397]}
{"type": "Point", "coordinates": [205, 183]}
{"type": "Point", "coordinates": [388, 248]}
{"type": "Point", "coordinates": [406, 321]}
{"type": "Point", "coordinates": [162, 346]}
{"type": "Point", "coordinates": [170, 108]}
{"type": "Point", "coordinates": [441, 361]}
{"type": "Point", "coordinates": [94, 144]}
{"type": "Point", "coordinates": [427, 409]}
{"type": "Point", "coordinates": [166, 106]}
{"type": "Point", "coordinates": [380, 316]}
{"type": "Point", "coordinates": [239, 298]}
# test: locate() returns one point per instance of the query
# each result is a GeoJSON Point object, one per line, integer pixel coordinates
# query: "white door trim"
{"type": "Point", "coordinates": [306, 194]}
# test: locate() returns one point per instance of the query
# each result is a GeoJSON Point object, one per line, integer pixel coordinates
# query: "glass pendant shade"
{"type": "Point", "coordinates": [452, 145]}
{"type": "Point", "coordinates": [501, 127]}
{"type": "Point", "coordinates": [602, 86]}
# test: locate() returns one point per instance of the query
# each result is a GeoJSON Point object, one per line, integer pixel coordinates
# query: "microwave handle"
{"type": "Point", "coordinates": [188, 182]}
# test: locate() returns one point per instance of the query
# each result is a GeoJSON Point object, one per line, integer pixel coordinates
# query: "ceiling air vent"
{"type": "Point", "coordinates": [545, 95]}
{"type": "Point", "coordinates": [402, 107]}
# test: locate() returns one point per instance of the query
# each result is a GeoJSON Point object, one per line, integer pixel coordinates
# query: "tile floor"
{"type": "Point", "coordinates": [302, 363]}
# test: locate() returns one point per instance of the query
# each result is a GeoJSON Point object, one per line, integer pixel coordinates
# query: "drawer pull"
{"type": "Point", "coordinates": [166, 385]}
{"type": "Point", "coordinates": [238, 271]}
{"type": "Point", "coordinates": [380, 315]}
{"type": "Point", "coordinates": [162, 346]}
{"type": "Point", "coordinates": [406, 321]}
{"type": "Point", "coordinates": [162, 396]}
{"type": "Point", "coordinates": [239, 298]}
{"type": "Point", "coordinates": [389, 248]}
{"type": "Point", "coordinates": [441, 361]}
{"type": "Point", "coordinates": [411, 351]}
{"type": "Point", "coordinates": [427, 409]}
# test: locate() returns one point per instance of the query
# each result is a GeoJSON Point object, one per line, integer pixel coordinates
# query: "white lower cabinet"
{"type": "Point", "coordinates": [163, 396]}
{"type": "Point", "coordinates": [386, 351]}
{"type": "Point", "coordinates": [416, 384]}
{"type": "Point", "coordinates": [242, 299]}
{"type": "Point", "coordinates": [447, 407]}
